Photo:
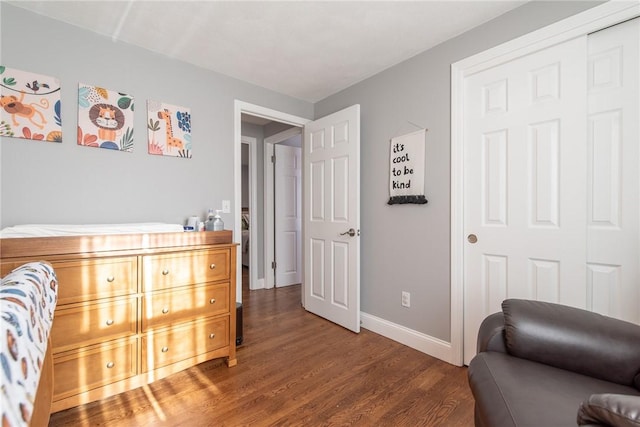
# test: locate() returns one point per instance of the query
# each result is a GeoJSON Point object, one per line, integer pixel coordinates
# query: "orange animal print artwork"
{"type": "Point", "coordinates": [29, 105]}
{"type": "Point", "coordinates": [169, 129]}
{"type": "Point", "coordinates": [105, 118]}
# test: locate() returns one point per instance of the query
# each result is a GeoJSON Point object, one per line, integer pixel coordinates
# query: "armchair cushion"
{"type": "Point", "coordinates": [512, 392]}
{"type": "Point", "coordinates": [610, 410]}
{"type": "Point", "coordinates": [572, 339]}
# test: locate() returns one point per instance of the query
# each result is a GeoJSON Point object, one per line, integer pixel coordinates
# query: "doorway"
{"type": "Point", "coordinates": [256, 240]}
{"type": "Point", "coordinates": [248, 208]}
{"type": "Point", "coordinates": [271, 212]}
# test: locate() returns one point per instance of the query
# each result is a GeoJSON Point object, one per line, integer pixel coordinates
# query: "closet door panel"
{"type": "Point", "coordinates": [613, 181]}
{"type": "Point", "coordinates": [525, 194]}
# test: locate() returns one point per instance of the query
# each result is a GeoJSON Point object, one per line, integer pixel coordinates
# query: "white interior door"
{"type": "Point", "coordinates": [524, 205]}
{"type": "Point", "coordinates": [331, 210]}
{"type": "Point", "coordinates": [288, 217]}
{"type": "Point", "coordinates": [613, 184]}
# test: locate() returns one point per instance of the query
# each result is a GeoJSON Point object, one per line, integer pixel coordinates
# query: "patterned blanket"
{"type": "Point", "coordinates": [28, 297]}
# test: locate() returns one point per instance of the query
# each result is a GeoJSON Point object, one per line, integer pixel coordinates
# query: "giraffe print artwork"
{"type": "Point", "coordinates": [105, 118]}
{"type": "Point", "coordinates": [168, 129]}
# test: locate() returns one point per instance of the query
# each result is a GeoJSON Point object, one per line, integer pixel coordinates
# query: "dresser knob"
{"type": "Point", "coordinates": [212, 266]}
{"type": "Point", "coordinates": [212, 301]}
{"type": "Point", "coordinates": [165, 310]}
{"type": "Point", "coordinates": [164, 349]}
{"type": "Point", "coordinates": [109, 322]}
{"type": "Point", "coordinates": [110, 365]}
{"type": "Point", "coordinates": [165, 272]}
{"type": "Point", "coordinates": [212, 336]}
{"type": "Point", "coordinates": [110, 279]}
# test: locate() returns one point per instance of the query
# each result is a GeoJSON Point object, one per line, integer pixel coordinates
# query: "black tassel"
{"type": "Point", "coordinates": [401, 200]}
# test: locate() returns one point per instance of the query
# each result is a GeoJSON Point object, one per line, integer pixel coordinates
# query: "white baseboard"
{"type": "Point", "coordinates": [426, 344]}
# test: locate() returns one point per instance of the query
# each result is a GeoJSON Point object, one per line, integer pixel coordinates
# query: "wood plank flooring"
{"type": "Point", "coordinates": [295, 369]}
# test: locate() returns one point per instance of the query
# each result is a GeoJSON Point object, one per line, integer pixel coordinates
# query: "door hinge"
{"type": "Point", "coordinates": [273, 159]}
{"type": "Point", "coordinates": [273, 265]}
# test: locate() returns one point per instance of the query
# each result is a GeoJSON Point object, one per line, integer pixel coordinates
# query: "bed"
{"type": "Point", "coordinates": [245, 237]}
{"type": "Point", "coordinates": [28, 297]}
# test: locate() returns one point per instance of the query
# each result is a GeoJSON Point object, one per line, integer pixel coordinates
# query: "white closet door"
{"type": "Point", "coordinates": [552, 179]}
{"type": "Point", "coordinates": [525, 157]}
{"type": "Point", "coordinates": [613, 264]}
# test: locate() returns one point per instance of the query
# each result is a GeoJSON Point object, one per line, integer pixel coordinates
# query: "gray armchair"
{"type": "Point", "coordinates": [543, 364]}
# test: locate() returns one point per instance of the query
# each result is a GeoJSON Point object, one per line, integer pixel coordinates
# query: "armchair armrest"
{"type": "Point", "coordinates": [610, 410]}
{"type": "Point", "coordinates": [491, 334]}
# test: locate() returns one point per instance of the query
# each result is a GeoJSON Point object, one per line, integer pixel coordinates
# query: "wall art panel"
{"type": "Point", "coordinates": [30, 105]}
{"type": "Point", "coordinates": [105, 118]}
{"type": "Point", "coordinates": [168, 129]}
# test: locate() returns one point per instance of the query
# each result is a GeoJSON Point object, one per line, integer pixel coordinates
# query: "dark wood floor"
{"type": "Point", "coordinates": [295, 368]}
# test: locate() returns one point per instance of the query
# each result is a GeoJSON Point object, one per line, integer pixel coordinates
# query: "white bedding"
{"type": "Point", "coordinates": [48, 230]}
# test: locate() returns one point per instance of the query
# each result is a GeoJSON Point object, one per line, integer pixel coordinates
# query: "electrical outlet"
{"type": "Point", "coordinates": [406, 299]}
{"type": "Point", "coordinates": [226, 206]}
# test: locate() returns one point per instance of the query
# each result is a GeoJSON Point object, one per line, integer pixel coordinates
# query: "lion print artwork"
{"type": "Point", "coordinates": [108, 119]}
{"type": "Point", "coordinates": [105, 118]}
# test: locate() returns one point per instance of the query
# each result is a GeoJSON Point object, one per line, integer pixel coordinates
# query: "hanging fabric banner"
{"type": "Point", "coordinates": [406, 169]}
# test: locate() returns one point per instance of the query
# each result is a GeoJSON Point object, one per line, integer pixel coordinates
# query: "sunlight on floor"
{"type": "Point", "coordinates": [154, 403]}
{"type": "Point", "coordinates": [203, 379]}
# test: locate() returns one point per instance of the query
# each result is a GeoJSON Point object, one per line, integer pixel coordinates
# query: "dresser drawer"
{"type": "Point", "coordinates": [7, 267]}
{"type": "Point", "coordinates": [87, 324]}
{"type": "Point", "coordinates": [87, 280]}
{"type": "Point", "coordinates": [185, 268]}
{"type": "Point", "coordinates": [190, 303]}
{"type": "Point", "coordinates": [184, 341]}
{"type": "Point", "coordinates": [85, 369]}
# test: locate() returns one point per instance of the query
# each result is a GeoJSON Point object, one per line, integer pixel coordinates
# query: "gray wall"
{"type": "Point", "coordinates": [403, 247]}
{"type": "Point", "coordinates": [406, 247]}
{"type": "Point", "coordinates": [66, 183]}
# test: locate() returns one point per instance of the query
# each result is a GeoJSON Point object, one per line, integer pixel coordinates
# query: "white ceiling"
{"type": "Point", "coordinates": [306, 49]}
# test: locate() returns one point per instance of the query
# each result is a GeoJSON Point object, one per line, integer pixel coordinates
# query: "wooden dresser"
{"type": "Point", "coordinates": [133, 308]}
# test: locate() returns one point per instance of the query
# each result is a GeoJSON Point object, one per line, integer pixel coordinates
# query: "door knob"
{"type": "Point", "coordinates": [351, 232]}
{"type": "Point", "coordinates": [472, 238]}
